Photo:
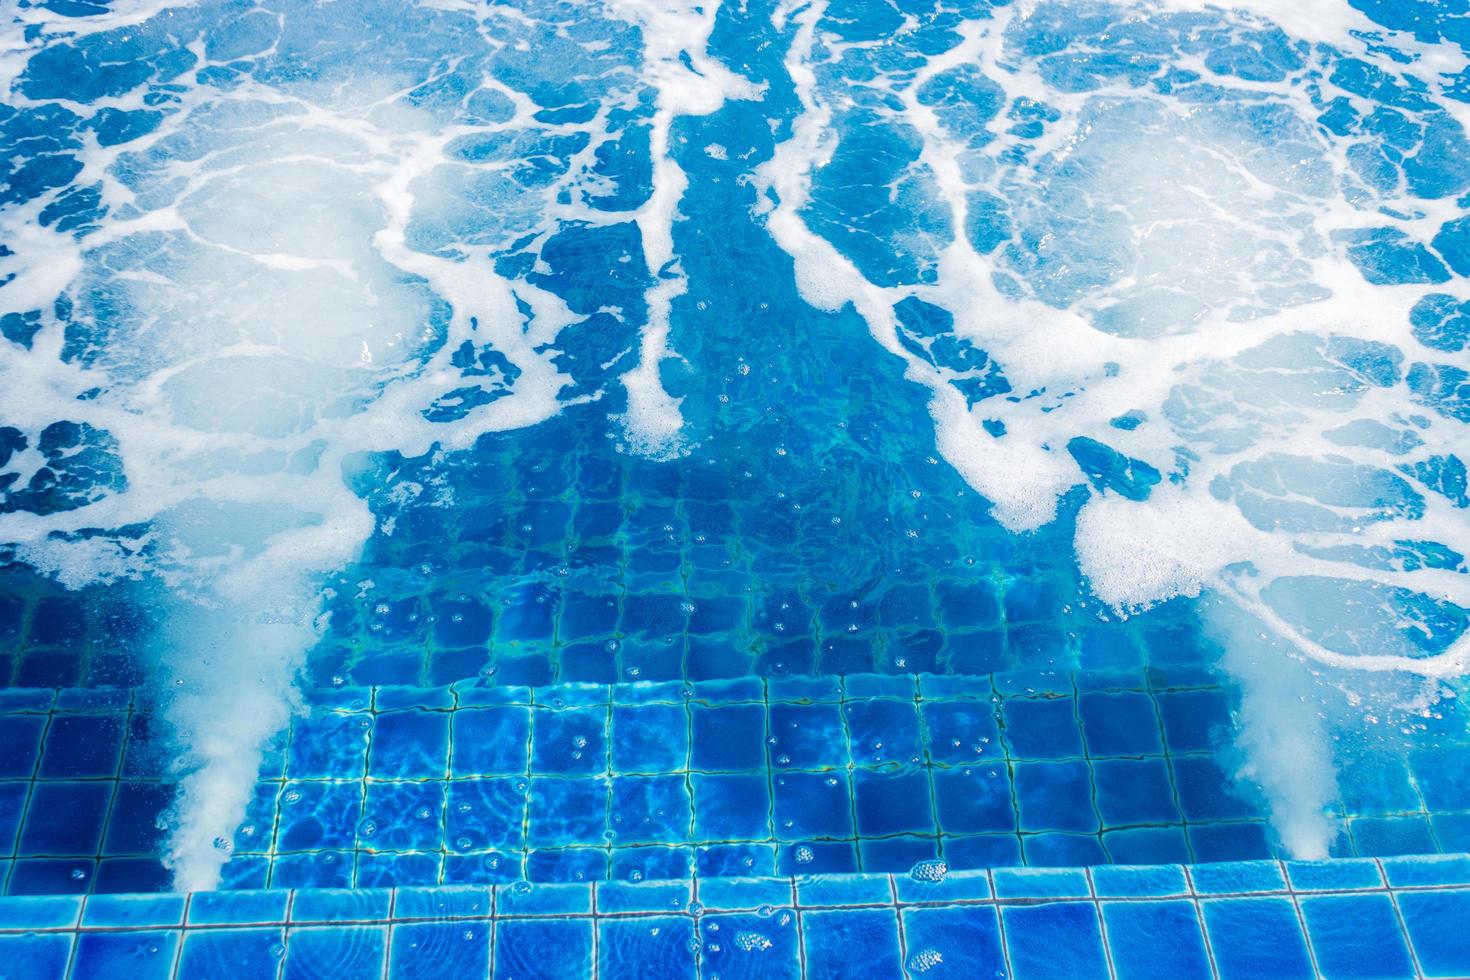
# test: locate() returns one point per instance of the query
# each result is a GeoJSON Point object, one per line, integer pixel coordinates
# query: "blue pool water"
{"type": "Point", "coordinates": [451, 445]}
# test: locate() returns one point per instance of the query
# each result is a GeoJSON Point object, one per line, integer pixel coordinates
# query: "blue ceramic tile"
{"type": "Point", "coordinates": [441, 902]}
{"type": "Point", "coordinates": [35, 955]}
{"type": "Point", "coordinates": [41, 911]}
{"type": "Point", "coordinates": [921, 885]}
{"type": "Point", "coordinates": [731, 807]}
{"type": "Point", "coordinates": [666, 897]}
{"type": "Point", "coordinates": [481, 814]}
{"type": "Point", "coordinates": [1120, 724]}
{"type": "Point", "coordinates": [649, 738]}
{"type": "Point", "coordinates": [984, 851]}
{"type": "Point", "coordinates": [728, 738]}
{"type": "Point", "coordinates": [1042, 729]}
{"type": "Point", "coordinates": [747, 947]}
{"type": "Point", "coordinates": [402, 816]}
{"type": "Point", "coordinates": [65, 818]}
{"type": "Point", "coordinates": [962, 732]}
{"type": "Point", "coordinates": [491, 741]}
{"type": "Point", "coordinates": [104, 911]}
{"type": "Point", "coordinates": [338, 905]}
{"type": "Point", "coordinates": [1120, 881]}
{"type": "Point", "coordinates": [410, 745]}
{"type": "Point", "coordinates": [811, 804]}
{"type": "Point", "coordinates": [237, 907]}
{"type": "Point", "coordinates": [1428, 869]}
{"type": "Point", "coordinates": [1055, 796]}
{"type": "Point", "coordinates": [12, 809]}
{"type": "Point", "coordinates": [883, 732]}
{"type": "Point", "coordinates": [806, 736]}
{"type": "Point", "coordinates": [1356, 936]}
{"type": "Point", "coordinates": [1256, 937]}
{"type": "Point", "coordinates": [319, 952]}
{"type": "Point", "coordinates": [892, 803]}
{"type": "Point", "coordinates": [737, 894]}
{"type": "Point", "coordinates": [569, 741]}
{"type": "Point", "coordinates": [645, 947]}
{"type": "Point", "coordinates": [896, 854]}
{"type": "Point", "coordinates": [567, 864]}
{"type": "Point", "coordinates": [524, 898]}
{"type": "Point", "coordinates": [1061, 939]}
{"type": "Point", "coordinates": [135, 955]}
{"type": "Point", "coordinates": [1333, 875]}
{"type": "Point", "coordinates": [132, 826]}
{"type": "Point", "coordinates": [816, 857]}
{"type": "Point", "coordinates": [51, 876]}
{"type": "Point", "coordinates": [81, 746]}
{"type": "Point", "coordinates": [647, 863]}
{"type": "Point", "coordinates": [1443, 774]}
{"type": "Point", "coordinates": [1207, 793]}
{"type": "Point", "coordinates": [328, 745]}
{"type": "Point", "coordinates": [1237, 878]}
{"type": "Point", "coordinates": [1392, 836]}
{"type": "Point", "coordinates": [1059, 850]}
{"type": "Point", "coordinates": [318, 815]}
{"type": "Point", "coordinates": [975, 799]}
{"type": "Point", "coordinates": [815, 891]}
{"type": "Point", "coordinates": [852, 944]}
{"type": "Point", "coordinates": [723, 860]}
{"type": "Point", "coordinates": [21, 736]}
{"type": "Point", "coordinates": [649, 809]}
{"type": "Point", "coordinates": [960, 942]}
{"type": "Point", "coordinates": [208, 954]}
{"type": "Point", "coordinates": [1147, 845]}
{"type": "Point", "coordinates": [314, 869]}
{"type": "Point", "coordinates": [1229, 842]}
{"type": "Point", "coordinates": [568, 811]}
{"type": "Point", "coordinates": [1195, 721]}
{"type": "Point", "coordinates": [1442, 951]}
{"type": "Point", "coordinates": [1377, 784]}
{"type": "Point", "coordinates": [390, 870]}
{"type": "Point", "coordinates": [1155, 940]}
{"type": "Point", "coordinates": [433, 950]}
{"type": "Point", "coordinates": [1131, 791]}
{"type": "Point", "coordinates": [1040, 883]}
{"type": "Point", "coordinates": [246, 871]}
{"type": "Point", "coordinates": [527, 949]}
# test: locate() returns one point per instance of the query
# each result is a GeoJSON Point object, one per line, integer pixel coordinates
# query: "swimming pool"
{"type": "Point", "coordinates": [742, 489]}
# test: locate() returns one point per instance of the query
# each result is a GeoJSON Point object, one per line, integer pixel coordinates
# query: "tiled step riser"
{"type": "Point", "coordinates": [1343, 918]}
{"type": "Point", "coordinates": [469, 784]}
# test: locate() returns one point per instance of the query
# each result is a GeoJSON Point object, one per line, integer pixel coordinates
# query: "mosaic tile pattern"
{"type": "Point", "coordinates": [1348, 918]}
{"type": "Point", "coordinates": [410, 786]}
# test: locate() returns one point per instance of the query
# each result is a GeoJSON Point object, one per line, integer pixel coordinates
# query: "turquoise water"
{"type": "Point", "coordinates": [1069, 350]}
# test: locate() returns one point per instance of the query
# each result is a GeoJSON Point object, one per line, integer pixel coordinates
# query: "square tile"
{"type": "Point", "coordinates": [731, 807]}
{"type": "Point", "coordinates": [493, 741]}
{"type": "Point", "coordinates": [812, 805]}
{"type": "Point", "coordinates": [549, 948]}
{"type": "Point", "coordinates": [328, 745]}
{"type": "Point", "coordinates": [21, 736]}
{"type": "Point", "coordinates": [1356, 936]}
{"type": "Point", "coordinates": [569, 741]}
{"type": "Point", "coordinates": [1042, 728]}
{"type": "Point", "coordinates": [1207, 793]}
{"type": "Point", "coordinates": [1147, 845]}
{"type": "Point", "coordinates": [650, 738]}
{"type": "Point", "coordinates": [852, 943]}
{"type": "Point", "coordinates": [1155, 940]}
{"type": "Point", "coordinates": [1256, 937]}
{"type": "Point", "coordinates": [649, 809]}
{"type": "Point", "coordinates": [1055, 796]}
{"type": "Point", "coordinates": [1134, 791]}
{"type": "Point", "coordinates": [974, 799]}
{"type": "Point", "coordinates": [318, 815]}
{"type": "Point", "coordinates": [645, 947]}
{"type": "Point", "coordinates": [1196, 721]}
{"type": "Point", "coordinates": [485, 813]}
{"type": "Point", "coordinates": [567, 811]}
{"type": "Point", "coordinates": [960, 942]}
{"type": "Point", "coordinates": [432, 950]}
{"type": "Point", "coordinates": [747, 947]}
{"type": "Point", "coordinates": [962, 732]}
{"type": "Point", "coordinates": [37, 955]}
{"type": "Point", "coordinates": [728, 738]}
{"type": "Point", "coordinates": [1442, 952]}
{"type": "Point", "coordinates": [892, 803]}
{"type": "Point", "coordinates": [806, 736]}
{"type": "Point", "coordinates": [325, 951]}
{"type": "Point", "coordinates": [1121, 723]}
{"type": "Point", "coordinates": [1061, 939]}
{"type": "Point", "coordinates": [65, 818]}
{"type": "Point", "coordinates": [403, 817]}
{"type": "Point", "coordinates": [410, 745]}
{"type": "Point", "coordinates": [883, 732]}
{"type": "Point", "coordinates": [211, 953]}
{"type": "Point", "coordinates": [135, 955]}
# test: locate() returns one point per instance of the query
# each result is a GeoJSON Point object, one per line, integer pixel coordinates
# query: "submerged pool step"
{"type": "Point", "coordinates": [408, 786]}
{"type": "Point", "coordinates": [1388, 918]}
